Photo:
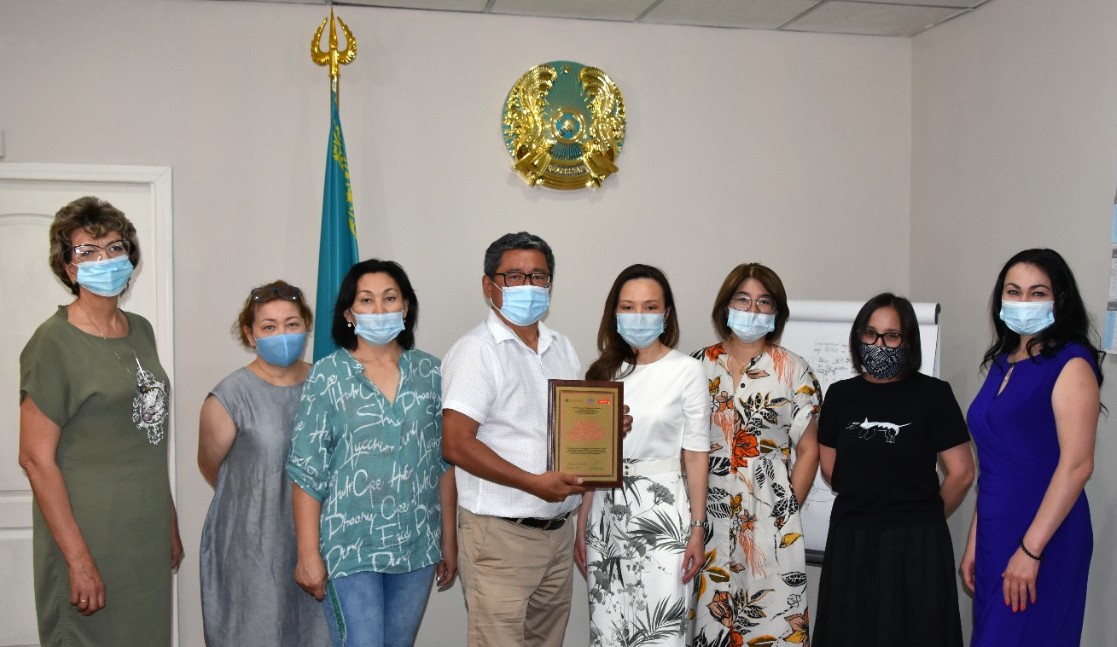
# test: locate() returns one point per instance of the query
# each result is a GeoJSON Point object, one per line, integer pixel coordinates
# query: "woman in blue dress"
{"type": "Point", "coordinates": [1034, 423]}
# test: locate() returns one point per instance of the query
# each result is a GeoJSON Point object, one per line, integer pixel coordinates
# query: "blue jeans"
{"type": "Point", "coordinates": [377, 609]}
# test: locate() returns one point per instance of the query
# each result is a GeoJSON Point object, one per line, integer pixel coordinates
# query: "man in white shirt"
{"type": "Point", "coordinates": [516, 534]}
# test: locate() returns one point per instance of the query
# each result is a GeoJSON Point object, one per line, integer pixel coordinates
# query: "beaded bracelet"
{"type": "Point", "coordinates": [1038, 558]}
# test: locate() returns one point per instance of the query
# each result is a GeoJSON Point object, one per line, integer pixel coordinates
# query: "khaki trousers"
{"type": "Point", "coordinates": [517, 581]}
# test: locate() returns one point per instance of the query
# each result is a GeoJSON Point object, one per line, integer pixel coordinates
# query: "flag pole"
{"type": "Point", "coordinates": [337, 249]}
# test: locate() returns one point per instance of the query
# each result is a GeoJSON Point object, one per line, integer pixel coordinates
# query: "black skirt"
{"type": "Point", "coordinates": [888, 586]}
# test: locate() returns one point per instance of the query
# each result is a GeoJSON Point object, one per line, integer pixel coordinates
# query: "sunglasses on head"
{"type": "Point", "coordinates": [273, 292]}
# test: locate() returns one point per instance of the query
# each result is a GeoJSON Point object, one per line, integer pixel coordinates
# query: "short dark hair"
{"type": "Point", "coordinates": [96, 217]}
{"type": "Point", "coordinates": [614, 349]}
{"type": "Point", "coordinates": [909, 330]}
{"type": "Point", "coordinates": [342, 334]}
{"type": "Point", "coordinates": [1072, 323]}
{"type": "Point", "coordinates": [519, 240]}
{"type": "Point", "coordinates": [277, 290]}
{"type": "Point", "coordinates": [771, 282]}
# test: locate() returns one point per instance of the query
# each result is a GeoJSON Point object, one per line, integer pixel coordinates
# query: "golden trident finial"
{"type": "Point", "coordinates": [332, 56]}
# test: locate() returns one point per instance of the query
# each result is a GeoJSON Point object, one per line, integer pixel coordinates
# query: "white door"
{"type": "Point", "coordinates": [30, 194]}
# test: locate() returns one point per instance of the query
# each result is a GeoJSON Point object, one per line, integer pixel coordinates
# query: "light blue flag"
{"type": "Point", "coordinates": [337, 249]}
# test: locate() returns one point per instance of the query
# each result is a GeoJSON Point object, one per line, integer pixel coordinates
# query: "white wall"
{"type": "Point", "coordinates": [803, 141]}
{"type": "Point", "coordinates": [1014, 129]}
{"type": "Point", "coordinates": [1003, 121]}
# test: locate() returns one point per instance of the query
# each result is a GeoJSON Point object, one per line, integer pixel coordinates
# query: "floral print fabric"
{"type": "Point", "coordinates": [752, 589]}
{"type": "Point", "coordinates": [635, 538]}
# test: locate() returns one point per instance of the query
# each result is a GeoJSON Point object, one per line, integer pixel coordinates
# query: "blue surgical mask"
{"type": "Point", "coordinates": [379, 329]}
{"type": "Point", "coordinates": [750, 326]}
{"type": "Point", "coordinates": [281, 350]}
{"type": "Point", "coordinates": [107, 277]}
{"type": "Point", "coordinates": [1027, 317]}
{"type": "Point", "coordinates": [640, 329]}
{"type": "Point", "coordinates": [523, 305]}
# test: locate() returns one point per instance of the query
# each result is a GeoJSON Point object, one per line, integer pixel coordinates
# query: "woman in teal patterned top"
{"type": "Point", "coordinates": [374, 502]}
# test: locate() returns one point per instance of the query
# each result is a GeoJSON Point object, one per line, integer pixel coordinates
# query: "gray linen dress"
{"type": "Point", "coordinates": [249, 594]}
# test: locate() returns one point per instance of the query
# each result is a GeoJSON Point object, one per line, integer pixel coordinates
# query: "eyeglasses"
{"type": "Point", "coordinates": [891, 339]}
{"type": "Point", "coordinates": [89, 252]}
{"type": "Point", "coordinates": [516, 279]}
{"type": "Point", "coordinates": [273, 292]}
{"type": "Point", "coordinates": [764, 305]}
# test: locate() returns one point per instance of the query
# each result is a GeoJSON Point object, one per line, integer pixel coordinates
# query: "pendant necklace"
{"type": "Point", "coordinates": [102, 333]}
{"type": "Point", "coordinates": [731, 362]}
{"type": "Point", "coordinates": [149, 407]}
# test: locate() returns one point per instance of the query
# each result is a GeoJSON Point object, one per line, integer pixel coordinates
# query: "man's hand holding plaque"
{"type": "Point", "coordinates": [585, 421]}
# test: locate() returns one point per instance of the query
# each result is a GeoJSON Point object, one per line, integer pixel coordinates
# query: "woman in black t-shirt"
{"type": "Point", "coordinates": [888, 574]}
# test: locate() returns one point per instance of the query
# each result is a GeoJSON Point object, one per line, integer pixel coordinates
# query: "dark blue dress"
{"type": "Point", "coordinates": [1017, 450]}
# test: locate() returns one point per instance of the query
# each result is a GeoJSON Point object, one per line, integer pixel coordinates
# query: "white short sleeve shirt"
{"type": "Point", "coordinates": [494, 378]}
{"type": "Point", "coordinates": [670, 405]}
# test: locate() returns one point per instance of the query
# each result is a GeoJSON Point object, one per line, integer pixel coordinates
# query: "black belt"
{"type": "Point", "coordinates": [537, 523]}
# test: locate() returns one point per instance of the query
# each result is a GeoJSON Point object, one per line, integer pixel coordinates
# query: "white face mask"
{"type": "Point", "coordinates": [378, 329]}
{"type": "Point", "coordinates": [750, 326]}
{"type": "Point", "coordinates": [1027, 317]}
{"type": "Point", "coordinates": [640, 329]}
{"type": "Point", "coordinates": [524, 305]}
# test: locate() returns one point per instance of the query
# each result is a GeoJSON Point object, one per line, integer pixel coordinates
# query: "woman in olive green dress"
{"type": "Point", "coordinates": [92, 439]}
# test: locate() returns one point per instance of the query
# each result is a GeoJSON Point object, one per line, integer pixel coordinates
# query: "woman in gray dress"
{"type": "Point", "coordinates": [249, 594]}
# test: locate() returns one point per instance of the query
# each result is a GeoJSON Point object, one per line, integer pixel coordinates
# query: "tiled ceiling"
{"type": "Point", "coordinates": [867, 17]}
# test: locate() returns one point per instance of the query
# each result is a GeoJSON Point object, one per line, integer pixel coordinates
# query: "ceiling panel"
{"type": "Point", "coordinates": [961, 4]}
{"type": "Point", "coordinates": [750, 14]}
{"type": "Point", "coordinates": [627, 10]}
{"type": "Point", "coordinates": [872, 19]}
{"type": "Point", "coordinates": [474, 6]}
{"type": "Point", "coordinates": [867, 17]}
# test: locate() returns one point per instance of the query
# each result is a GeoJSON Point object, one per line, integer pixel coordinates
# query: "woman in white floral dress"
{"type": "Point", "coordinates": [640, 544]}
{"type": "Point", "coordinates": [752, 589]}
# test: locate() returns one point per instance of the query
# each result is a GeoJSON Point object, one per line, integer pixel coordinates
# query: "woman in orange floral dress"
{"type": "Point", "coordinates": [764, 402]}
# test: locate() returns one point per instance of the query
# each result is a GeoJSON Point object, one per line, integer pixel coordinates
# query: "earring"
{"type": "Point", "coordinates": [348, 323]}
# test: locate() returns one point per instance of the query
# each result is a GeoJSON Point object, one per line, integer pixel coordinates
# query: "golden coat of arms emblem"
{"type": "Point", "coordinates": [564, 125]}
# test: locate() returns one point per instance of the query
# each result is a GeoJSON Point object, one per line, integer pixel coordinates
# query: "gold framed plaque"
{"type": "Point", "coordinates": [584, 434]}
